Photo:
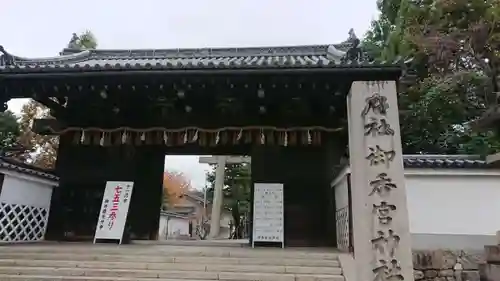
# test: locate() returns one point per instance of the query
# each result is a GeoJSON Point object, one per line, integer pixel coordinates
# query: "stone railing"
{"type": "Point", "coordinates": [447, 265]}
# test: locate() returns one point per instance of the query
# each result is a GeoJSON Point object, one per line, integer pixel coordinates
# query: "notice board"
{"type": "Point", "coordinates": [114, 210]}
{"type": "Point", "coordinates": [268, 218]}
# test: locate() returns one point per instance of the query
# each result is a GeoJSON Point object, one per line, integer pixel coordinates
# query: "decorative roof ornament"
{"type": "Point", "coordinates": [6, 58]}
{"type": "Point", "coordinates": [352, 35]}
{"type": "Point", "coordinates": [73, 42]}
{"type": "Point", "coordinates": [354, 54]}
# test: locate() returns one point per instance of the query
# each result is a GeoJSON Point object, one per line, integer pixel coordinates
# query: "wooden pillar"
{"type": "Point", "coordinates": [382, 249]}
{"type": "Point", "coordinates": [55, 226]}
{"type": "Point", "coordinates": [83, 172]}
{"type": "Point", "coordinates": [306, 190]}
{"type": "Point", "coordinates": [145, 205]}
{"type": "Point", "coordinates": [335, 149]}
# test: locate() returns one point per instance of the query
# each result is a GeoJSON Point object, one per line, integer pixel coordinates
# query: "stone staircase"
{"type": "Point", "coordinates": [78, 261]}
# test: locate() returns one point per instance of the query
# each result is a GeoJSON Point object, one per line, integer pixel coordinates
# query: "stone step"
{"type": "Point", "coordinates": [5, 277]}
{"type": "Point", "coordinates": [170, 251]}
{"type": "Point", "coordinates": [224, 242]}
{"type": "Point", "coordinates": [173, 266]}
{"type": "Point", "coordinates": [167, 259]}
{"type": "Point", "coordinates": [166, 274]}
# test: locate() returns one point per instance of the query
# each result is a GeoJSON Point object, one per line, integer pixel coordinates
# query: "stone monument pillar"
{"type": "Point", "coordinates": [218, 197]}
{"type": "Point", "coordinates": [382, 249]}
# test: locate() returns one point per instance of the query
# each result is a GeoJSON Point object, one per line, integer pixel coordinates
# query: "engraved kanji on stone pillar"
{"type": "Point", "coordinates": [382, 248]}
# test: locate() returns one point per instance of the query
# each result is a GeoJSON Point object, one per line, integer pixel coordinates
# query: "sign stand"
{"type": "Point", "coordinates": [268, 214]}
{"type": "Point", "coordinates": [114, 211]}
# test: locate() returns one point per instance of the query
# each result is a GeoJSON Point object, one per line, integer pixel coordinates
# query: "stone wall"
{"type": "Point", "coordinates": [491, 270]}
{"type": "Point", "coordinates": [447, 265]}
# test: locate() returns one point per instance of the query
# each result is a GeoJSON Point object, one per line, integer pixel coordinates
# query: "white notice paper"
{"type": "Point", "coordinates": [268, 220]}
{"type": "Point", "coordinates": [114, 210]}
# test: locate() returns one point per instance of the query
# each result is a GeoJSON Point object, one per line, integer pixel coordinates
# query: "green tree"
{"type": "Point", "coordinates": [236, 191]}
{"type": "Point", "coordinates": [84, 41]}
{"type": "Point", "coordinates": [45, 147]}
{"type": "Point", "coordinates": [9, 134]}
{"type": "Point", "coordinates": [454, 44]}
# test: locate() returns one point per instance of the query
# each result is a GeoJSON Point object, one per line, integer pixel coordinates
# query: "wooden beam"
{"type": "Point", "coordinates": [46, 126]}
{"type": "Point", "coordinates": [55, 108]}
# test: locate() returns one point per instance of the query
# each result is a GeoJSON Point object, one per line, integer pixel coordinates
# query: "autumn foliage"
{"type": "Point", "coordinates": [175, 184]}
{"type": "Point", "coordinates": [43, 149]}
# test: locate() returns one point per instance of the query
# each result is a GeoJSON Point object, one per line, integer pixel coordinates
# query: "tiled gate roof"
{"type": "Point", "coordinates": [311, 56]}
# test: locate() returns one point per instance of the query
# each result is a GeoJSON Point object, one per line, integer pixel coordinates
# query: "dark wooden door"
{"type": "Point", "coordinates": [297, 226]}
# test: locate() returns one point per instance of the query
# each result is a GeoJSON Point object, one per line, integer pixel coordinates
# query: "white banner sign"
{"type": "Point", "coordinates": [114, 210]}
{"type": "Point", "coordinates": [268, 220]}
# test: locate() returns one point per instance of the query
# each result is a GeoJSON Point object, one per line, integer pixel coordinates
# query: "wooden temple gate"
{"type": "Point", "coordinates": [118, 112]}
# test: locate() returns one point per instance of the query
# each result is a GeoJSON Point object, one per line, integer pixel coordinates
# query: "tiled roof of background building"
{"type": "Point", "coordinates": [20, 167]}
{"type": "Point", "coordinates": [445, 161]}
{"type": "Point", "coordinates": [174, 214]}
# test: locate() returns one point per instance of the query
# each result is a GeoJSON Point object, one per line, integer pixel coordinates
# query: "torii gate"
{"type": "Point", "coordinates": [221, 162]}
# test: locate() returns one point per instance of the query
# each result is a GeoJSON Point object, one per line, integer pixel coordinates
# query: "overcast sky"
{"type": "Point", "coordinates": [35, 28]}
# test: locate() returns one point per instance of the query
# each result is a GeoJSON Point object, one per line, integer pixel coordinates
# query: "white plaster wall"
{"type": "Point", "coordinates": [226, 219]}
{"type": "Point", "coordinates": [24, 190]}
{"type": "Point", "coordinates": [171, 227]}
{"type": "Point", "coordinates": [452, 203]}
{"type": "Point", "coordinates": [162, 229]}
{"type": "Point", "coordinates": [341, 192]}
{"type": "Point", "coordinates": [34, 194]}
{"type": "Point", "coordinates": [448, 208]}
{"type": "Point", "coordinates": [178, 226]}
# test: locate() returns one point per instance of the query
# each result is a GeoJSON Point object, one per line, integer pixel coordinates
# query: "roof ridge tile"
{"type": "Point", "coordinates": [444, 161]}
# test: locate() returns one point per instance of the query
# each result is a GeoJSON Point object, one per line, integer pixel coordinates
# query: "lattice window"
{"type": "Point", "coordinates": [22, 222]}
{"type": "Point", "coordinates": [342, 224]}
